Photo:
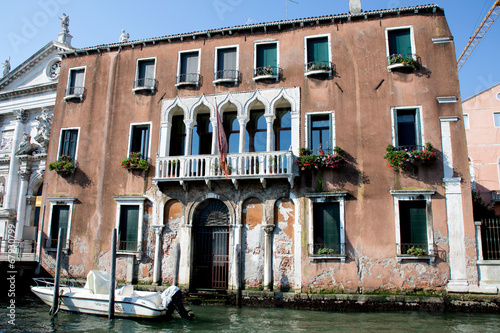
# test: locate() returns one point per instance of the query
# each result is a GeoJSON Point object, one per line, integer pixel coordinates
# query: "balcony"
{"type": "Point", "coordinates": [260, 166]}
{"type": "Point", "coordinates": [495, 197]}
{"type": "Point", "coordinates": [23, 250]}
{"type": "Point", "coordinates": [318, 68]}
{"type": "Point", "coordinates": [267, 73]}
{"type": "Point", "coordinates": [320, 251]}
{"type": "Point", "coordinates": [226, 76]}
{"type": "Point", "coordinates": [406, 62]}
{"type": "Point", "coordinates": [188, 79]}
{"type": "Point", "coordinates": [74, 93]}
{"type": "Point", "coordinates": [148, 84]}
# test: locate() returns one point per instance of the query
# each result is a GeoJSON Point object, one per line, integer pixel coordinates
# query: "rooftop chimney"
{"type": "Point", "coordinates": [354, 6]}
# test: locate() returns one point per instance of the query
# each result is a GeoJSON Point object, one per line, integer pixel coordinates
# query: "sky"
{"type": "Point", "coordinates": [28, 25]}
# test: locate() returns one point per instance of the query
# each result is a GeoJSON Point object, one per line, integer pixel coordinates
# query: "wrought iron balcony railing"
{"type": "Point", "coordinates": [130, 246]}
{"type": "Point", "coordinates": [495, 196]}
{"type": "Point", "coordinates": [74, 93]}
{"type": "Point", "coordinates": [318, 67]}
{"type": "Point", "coordinates": [144, 84]}
{"type": "Point", "coordinates": [267, 72]}
{"type": "Point", "coordinates": [226, 75]}
{"type": "Point", "coordinates": [188, 79]}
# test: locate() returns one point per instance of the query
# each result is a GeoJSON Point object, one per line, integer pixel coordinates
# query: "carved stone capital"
{"type": "Point", "coordinates": [21, 115]}
{"type": "Point", "coordinates": [268, 228]}
{"type": "Point", "coordinates": [25, 174]}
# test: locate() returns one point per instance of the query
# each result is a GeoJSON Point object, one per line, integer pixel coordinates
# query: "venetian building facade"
{"type": "Point", "coordinates": [27, 98]}
{"type": "Point", "coordinates": [285, 92]}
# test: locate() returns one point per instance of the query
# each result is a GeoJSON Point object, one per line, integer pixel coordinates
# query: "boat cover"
{"type": "Point", "coordinates": [98, 282]}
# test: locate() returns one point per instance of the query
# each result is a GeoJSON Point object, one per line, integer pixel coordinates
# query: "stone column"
{"type": "Point", "coordinates": [269, 122]}
{"type": "Point", "coordinates": [243, 123]}
{"type": "Point", "coordinates": [157, 259]}
{"type": "Point", "coordinates": [10, 198]}
{"type": "Point", "coordinates": [189, 136]}
{"type": "Point", "coordinates": [268, 256]}
{"type": "Point", "coordinates": [454, 213]}
{"type": "Point", "coordinates": [185, 257]}
{"type": "Point", "coordinates": [213, 121]}
{"type": "Point", "coordinates": [25, 174]}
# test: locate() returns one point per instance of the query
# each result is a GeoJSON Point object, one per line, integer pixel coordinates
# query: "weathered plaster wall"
{"type": "Point", "coordinates": [283, 245]}
{"type": "Point", "coordinates": [253, 244]}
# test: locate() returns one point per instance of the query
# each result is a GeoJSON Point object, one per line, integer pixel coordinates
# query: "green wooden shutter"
{"type": "Point", "coordinates": [327, 225]}
{"type": "Point", "coordinates": [413, 222]}
{"type": "Point", "coordinates": [399, 42]}
{"type": "Point", "coordinates": [60, 218]}
{"type": "Point", "coordinates": [267, 55]}
{"type": "Point", "coordinates": [69, 140]}
{"type": "Point", "coordinates": [129, 224]}
{"type": "Point", "coordinates": [317, 49]}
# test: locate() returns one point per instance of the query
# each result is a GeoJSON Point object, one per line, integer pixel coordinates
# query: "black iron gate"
{"type": "Point", "coordinates": [211, 245]}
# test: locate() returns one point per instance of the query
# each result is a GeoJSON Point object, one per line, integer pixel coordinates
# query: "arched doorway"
{"type": "Point", "coordinates": [211, 245]}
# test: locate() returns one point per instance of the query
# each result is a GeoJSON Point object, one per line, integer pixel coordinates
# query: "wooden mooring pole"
{"type": "Point", "coordinates": [111, 309]}
{"type": "Point", "coordinates": [55, 297]}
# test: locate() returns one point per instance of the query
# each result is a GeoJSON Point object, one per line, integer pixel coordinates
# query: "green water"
{"type": "Point", "coordinates": [32, 316]}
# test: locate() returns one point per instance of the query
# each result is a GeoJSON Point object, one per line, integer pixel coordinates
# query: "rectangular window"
{"type": "Point", "coordinates": [266, 61]}
{"type": "Point", "coordinates": [68, 143]}
{"type": "Point", "coordinates": [400, 41]}
{"type": "Point", "coordinates": [496, 117]}
{"type": "Point", "coordinates": [61, 209]}
{"type": "Point", "coordinates": [320, 133]}
{"type": "Point", "coordinates": [327, 226]}
{"type": "Point", "coordinates": [407, 129]}
{"type": "Point", "coordinates": [202, 135]}
{"type": "Point", "coordinates": [466, 121]}
{"type": "Point", "coordinates": [226, 64]}
{"type": "Point", "coordinates": [139, 140]}
{"type": "Point", "coordinates": [129, 221]}
{"type": "Point", "coordinates": [189, 68]}
{"type": "Point", "coordinates": [413, 225]}
{"type": "Point", "coordinates": [145, 77]}
{"type": "Point", "coordinates": [60, 218]}
{"type": "Point", "coordinates": [76, 83]}
{"type": "Point", "coordinates": [128, 229]}
{"type": "Point", "coordinates": [317, 53]}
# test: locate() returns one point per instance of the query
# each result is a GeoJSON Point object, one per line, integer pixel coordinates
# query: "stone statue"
{"type": "Point", "coordinates": [124, 37]}
{"type": "Point", "coordinates": [64, 22]}
{"type": "Point", "coordinates": [44, 123]}
{"type": "Point", "coordinates": [6, 67]}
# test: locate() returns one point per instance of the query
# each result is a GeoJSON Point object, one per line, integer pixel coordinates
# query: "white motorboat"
{"type": "Point", "coordinates": [93, 298]}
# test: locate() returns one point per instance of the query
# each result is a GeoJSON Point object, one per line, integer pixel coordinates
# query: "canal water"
{"type": "Point", "coordinates": [31, 315]}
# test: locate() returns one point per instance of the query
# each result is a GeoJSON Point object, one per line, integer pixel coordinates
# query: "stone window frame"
{"type": "Point", "coordinates": [130, 137]}
{"type": "Point", "coordinates": [216, 60]}
{"type": "Point", "coordinates": [179, 65]}
{"type": "Point", "coordinates": [306, 38]}
{"type": "Point", "coordinates": [412, 195]}
{"type": "Point", "coordinates": [61, 201]}
{"type": "Point", "coordinates": [325, 198]}
{"type": "Point", "coordinates": [264, 42]}
{"type": "Point", "coordinates": [332, 128]}
{"type": "Point", "coordinates": [420, 117]}
{"type": "Point", "coordinates": [412, 39]}
{"type": "Point", "coordinates": [59, 149]}
{"type": "Point", "coordinates": [69, 84]}
{"type": "Point", "coordinates": [131, 201]}
{"type": "Point", "coordinates": [144, 87]}
{"type": "Point", "coordinates": [496, 115]}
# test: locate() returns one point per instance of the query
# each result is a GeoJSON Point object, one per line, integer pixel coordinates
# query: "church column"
{"type": "Point", "coordinates": [12, 185]}
{"type": "Point", "coordinates": [25, 174]}
{"type": "Point", "coordinates": [268, 252]}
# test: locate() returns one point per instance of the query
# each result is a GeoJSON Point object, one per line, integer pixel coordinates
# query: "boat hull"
{"type": "Point", "coordinates": [80, 301]}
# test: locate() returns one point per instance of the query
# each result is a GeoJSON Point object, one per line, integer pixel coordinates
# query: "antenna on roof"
{"type": "Point", "coordinates": [286, 3]}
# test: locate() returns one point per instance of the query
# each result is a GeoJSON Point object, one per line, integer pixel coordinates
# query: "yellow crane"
{"type": "Point", "coordinates": [479, 34]}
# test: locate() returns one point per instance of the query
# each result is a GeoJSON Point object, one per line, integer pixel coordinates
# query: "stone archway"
{"type": "Point", "coordinates": [210, 245]}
